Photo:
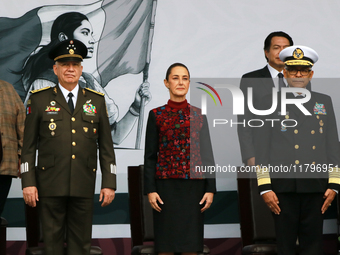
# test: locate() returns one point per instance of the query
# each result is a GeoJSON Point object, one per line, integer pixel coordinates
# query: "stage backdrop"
{"type": "Point", "coordinates": [135, 41]}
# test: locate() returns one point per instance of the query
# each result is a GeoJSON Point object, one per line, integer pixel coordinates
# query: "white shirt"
{"type": "Point", "coordinates": [74, 92]}
{"type": "Point", "coordinates": [274, 73]}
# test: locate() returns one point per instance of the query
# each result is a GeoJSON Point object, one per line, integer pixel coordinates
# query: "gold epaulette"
{"type": "Point", "coordinates": [99, 93]}
{"type": "Point", "coordinates": [38, 90]}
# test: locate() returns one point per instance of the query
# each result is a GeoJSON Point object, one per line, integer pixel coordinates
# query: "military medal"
{"type": "Point", "coordinates": [321, 131]}
{"type": "Point", "coordinates": [52, 126]}
{"type": "Point", "coordinates": [52, 103]}
{"type": "Point", "coordinates": [321, 123]}
{"type": "Point", "coordinates": [95, 131]}
{"type": "Point", "coordinates": [85, 129]}
{"type": "Point", "coordinates": [283, 128]}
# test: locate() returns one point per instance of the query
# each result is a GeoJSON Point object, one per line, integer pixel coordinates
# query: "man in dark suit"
{"type": "Point", "coordinates": [67, 123]}
{"type": "Point", "coordinates": [262, 81]}
{"type": "Point", "coordinates": [297, 157]}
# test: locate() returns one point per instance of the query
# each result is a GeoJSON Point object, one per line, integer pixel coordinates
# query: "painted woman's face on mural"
{"type": "Point", "coordinates": [84, 33]}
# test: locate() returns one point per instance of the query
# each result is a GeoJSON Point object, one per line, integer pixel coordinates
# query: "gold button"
{"type": "Point", "coordinates": [296, 146]}
{"type": "Point", "coordinates": [314, 147]}
{"type": "Point", "coordinates": [296, 131]}
{"type": "Point", "coordinates": [73, 156]}
{"type": "Point", "coordinates": [287, 116]}
{"type": "Point", "coordinates": [43, 168]}
{"type": "Point", "coordinates": [312, 132]}
{"type": "Point", "coordinates": [52, 120]}
{"type": "Point", "coordinates": [73, 131]}
{"type": "Point", "coordinates": [94, 170]}
{"type": "Point", "coordinates": [297, 161]}
{"type": "Point", "coordinates": [91, 121]}
{"type": "Point", "coordinates": [317, 116]}
{"type": "Point", "coordinates": [73, 119]}
{"type": "Point", "coordinates": [74, 143]}
{"type": "Point", "coordinates": [313, 162]}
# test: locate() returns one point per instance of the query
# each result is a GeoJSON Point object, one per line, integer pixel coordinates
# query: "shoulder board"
{"type": "Point", "coordinates": [38, 90]}
{"type": "Point", "coordinates": [96, 92]}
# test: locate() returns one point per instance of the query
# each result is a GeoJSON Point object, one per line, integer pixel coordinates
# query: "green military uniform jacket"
{"type": "Point", "coordinates": [67, 144]}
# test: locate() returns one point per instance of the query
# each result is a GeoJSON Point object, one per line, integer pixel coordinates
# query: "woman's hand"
{"type": "Point", "coordinates": [153, 199]}
{"type": "Point", "coordinates": [208, 199]}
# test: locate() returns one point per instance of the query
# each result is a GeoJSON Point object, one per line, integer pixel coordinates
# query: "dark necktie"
{"type": "Point", "coordinates": [281, 82]}
{"type": "Point", "coordinates": [70, 102]}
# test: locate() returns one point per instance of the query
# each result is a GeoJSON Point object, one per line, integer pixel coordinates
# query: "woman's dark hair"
{"type": "Point", "coordinates": [40, 62]}
{"type": "Point", "coordinates": [168, 72]}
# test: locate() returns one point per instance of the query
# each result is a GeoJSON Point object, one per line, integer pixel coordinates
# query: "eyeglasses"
{"type": "Point", "coordinates": [303, 72]}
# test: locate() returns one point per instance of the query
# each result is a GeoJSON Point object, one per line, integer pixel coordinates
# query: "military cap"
{"type": "Point", "coordinates": [68, 50]}
{"type": "Point", "coordinates": [299, 55]}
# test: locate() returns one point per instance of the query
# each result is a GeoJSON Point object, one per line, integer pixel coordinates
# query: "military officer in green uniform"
{"type": "Point", "coordinates": [298, 157]}
{"type": "Point", "coordinates": [66, 124]}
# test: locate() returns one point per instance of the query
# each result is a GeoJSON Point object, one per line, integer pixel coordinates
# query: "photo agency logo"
{"type": "Point", "coordinates": [204, 98]}
{"type": "Point", "coordinates": [279, 102]}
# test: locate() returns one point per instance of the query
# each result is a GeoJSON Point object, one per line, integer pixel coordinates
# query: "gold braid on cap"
{"type": "Point", "coordinates": [68, 56]}
{"type": "Point", "coordinates": [298, 62]}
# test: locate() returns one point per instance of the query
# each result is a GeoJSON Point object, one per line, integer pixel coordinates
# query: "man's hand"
{"type": "Point", "coordinates": [251, 161]}
{"type": "Point", "coordinates": [108, 194]}
{"type": "Point", "coordinates": [328, 196]}
{"type": "Point", "coordinates": [272, 201]}
{"type": "Point", "coordinates": [153, 199]}
{"type": "Point", "coordinates": [30, 195]}
{"type": "Point", "coordinates": [142, 92]}
{"type": "Point", "coordinates": [208, 199]}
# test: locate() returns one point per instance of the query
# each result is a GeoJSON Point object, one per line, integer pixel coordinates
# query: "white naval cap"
{"type": "Point", "coordinates": [298, 55]}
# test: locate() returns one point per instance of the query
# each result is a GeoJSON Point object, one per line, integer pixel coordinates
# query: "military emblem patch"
{"type": "Point", "coordinates": [298, 53]}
